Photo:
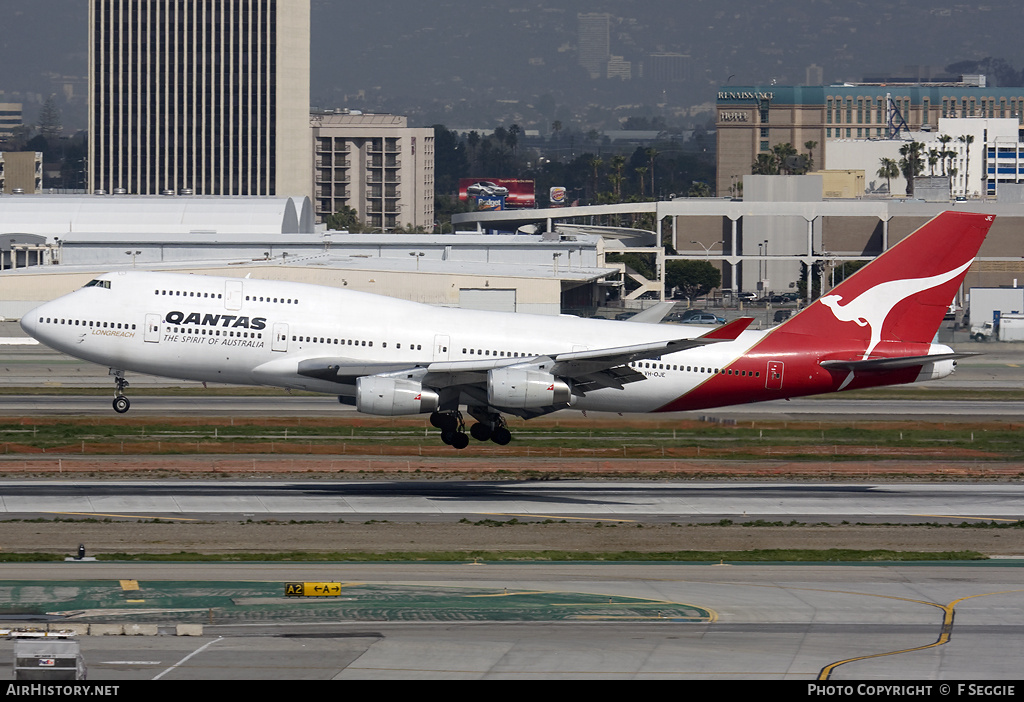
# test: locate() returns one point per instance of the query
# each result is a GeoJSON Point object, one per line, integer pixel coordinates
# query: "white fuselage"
{"type": "Point", "coordinates": [257, 332]}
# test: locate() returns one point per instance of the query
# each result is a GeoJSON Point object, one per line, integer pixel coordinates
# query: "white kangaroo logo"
{"type": "Point", "coordinates": [872, 307]}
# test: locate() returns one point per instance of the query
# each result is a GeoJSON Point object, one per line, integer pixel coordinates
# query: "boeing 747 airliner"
{"type": "Point", "coordinates": [393, 357]}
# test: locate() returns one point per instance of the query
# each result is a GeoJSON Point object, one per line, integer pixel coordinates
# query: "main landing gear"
{"type": "Point", "coordinates": [489, 427]}
{"type": "Point", "coordinates": [121, 403]}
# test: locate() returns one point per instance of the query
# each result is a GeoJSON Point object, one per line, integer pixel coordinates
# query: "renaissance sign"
{"type": "Point", "coordinates": [746, 95]}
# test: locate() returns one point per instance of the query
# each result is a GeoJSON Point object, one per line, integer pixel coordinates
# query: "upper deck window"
{"type": "Point", "coordinates": [98, 284]}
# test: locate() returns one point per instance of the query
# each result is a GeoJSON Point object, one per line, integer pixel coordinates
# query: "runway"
{"type": "Point", "coordinates": [798, 623]}
{"type": "Point", "coordinates": [450, 501]}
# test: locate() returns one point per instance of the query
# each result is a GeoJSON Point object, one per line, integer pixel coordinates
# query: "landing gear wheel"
{"type": "Point", "coordinates": [501, 436]}
{"type": "Point", "coordinates": [121, 404]}
{"type": "Point", "coordinates": [460, 441]}
{"type": "Point", "coordinates": [480, 431]}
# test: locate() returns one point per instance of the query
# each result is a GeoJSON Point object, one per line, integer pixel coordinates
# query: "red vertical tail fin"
{"type": "Point", "coordinates": [903, 294]}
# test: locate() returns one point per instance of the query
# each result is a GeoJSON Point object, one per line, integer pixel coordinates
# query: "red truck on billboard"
{"type": "Point", "coordinates": [518, 192]}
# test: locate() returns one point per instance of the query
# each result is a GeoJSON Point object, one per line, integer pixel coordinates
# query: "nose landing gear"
{"type": "Point", "coordinates": [121, 403]}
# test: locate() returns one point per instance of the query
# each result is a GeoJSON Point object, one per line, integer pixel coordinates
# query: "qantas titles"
{"type": "Point", "coordinates": [217, 320]}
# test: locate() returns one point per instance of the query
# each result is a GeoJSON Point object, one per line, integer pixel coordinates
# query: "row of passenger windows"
{"type": "Point", "coordinates": [215, 332]}
{"type": "Point", "coordinates": [86, 323]}
{"type": "Point", "coordinates": [188, 293]}
{"type": "Point", "coordinates": [219, 296]}
{"type": "Point", "coordinates": [281, 300]}
{"type": "Point", "coordinates": [500, 354]}
{"type": "Point", "coordinates": [697, 369]}
{"type": "Point", "coordinates": [350, 342]}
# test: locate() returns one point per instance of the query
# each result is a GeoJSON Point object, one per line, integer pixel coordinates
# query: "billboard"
{"type": "Point", "coordinates": [517, 192]}
{"type": "Point", "coordinates": [557, 197]}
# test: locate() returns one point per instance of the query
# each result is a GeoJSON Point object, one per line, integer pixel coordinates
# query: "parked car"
{"type": "Point", "coordinates": [747, 296]}
{"type": "Point", "coordinates": [680, 317]}
{"type": "Point", "coordinates": [704, 318]}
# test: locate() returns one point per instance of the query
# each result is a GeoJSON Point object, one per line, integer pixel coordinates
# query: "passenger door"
{"type": "Point", "coordinates": [152, 331]}
{"type": "Point", "coordinates": [233, 295]}
{"type": "Point", "coordinates": [280, 341]}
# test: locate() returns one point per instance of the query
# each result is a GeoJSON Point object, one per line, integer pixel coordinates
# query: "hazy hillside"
{"type": "Point", "coordinates": [482, 62]}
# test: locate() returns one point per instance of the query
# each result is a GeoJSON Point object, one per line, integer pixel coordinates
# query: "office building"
{"type": "Point", "coordinates": [594, 41]}
{"type": "Point", "coordinates": [668, 68]}
{"type": "Point", "coordinates": [10, 117]}
{"type": "Point", "coordinates": [209, 97]}
{"type": "Point", "coordinates": [753, 119]}
{"type": "Point", "coordinates": [376, 165]}
{"type": "Point", "coordinates": [21, 172]}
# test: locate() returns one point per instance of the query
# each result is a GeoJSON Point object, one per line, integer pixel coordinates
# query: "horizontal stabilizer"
{"type": "Point", "coordinates": [653, 315]}
{"type": "Point", "coordinates": [886, 364]}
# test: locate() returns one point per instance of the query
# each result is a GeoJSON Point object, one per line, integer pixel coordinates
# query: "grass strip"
{"type": "Point", "coordinates": [751, 556]}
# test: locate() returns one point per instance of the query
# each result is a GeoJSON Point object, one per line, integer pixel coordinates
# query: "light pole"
{"type": "Point", "coordinates": [760, 260]}
{"type": "Point", "coordinates": [417, 255]}
{"type": "Point", "coordinates": [766, 280]}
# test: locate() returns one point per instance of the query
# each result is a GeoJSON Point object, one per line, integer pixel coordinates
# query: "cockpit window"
{"type": "Point", "coordinates": [98, 284]}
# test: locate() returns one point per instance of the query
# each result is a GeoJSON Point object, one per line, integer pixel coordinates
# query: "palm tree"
{"type": "Point", "coordinates": [596, 164]}
{"type": "Point", "coordinates": [473, 141]}
{"type": "Point", "coordinates": [765, 165]}
{"type": "Point", "coordinates": [967, 139]}
{"type": "Point", "coordinates": [513, 140]}
{"type": "Point", "coordinates": [641, 171]}
{"type": "Point", "coordinates": [889, 170]}
{"type": "Point", "coordinates": [810, 146]}
{"type": "Point", "coordinates": [782, 152]}
{"type": "Point", "coordinates": [911, 163]}
{"type": "Point", "coordinates": [945, 153]}
{"type": "Point", "coordinates": [556, 129]}
{"type": "Point", "coordinates": [651, 155]}
{"type": "Point", "coordinates": [618, 162]}
{"type": "Point", "coordinates": [933, 159]}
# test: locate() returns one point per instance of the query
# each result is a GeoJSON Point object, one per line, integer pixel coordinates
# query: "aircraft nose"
{"type": "Point", "coordinates": [30, 322]}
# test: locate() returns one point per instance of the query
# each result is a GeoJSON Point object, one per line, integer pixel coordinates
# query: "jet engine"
{"type": "Point", "coordinates": [393, 396]}
{"type": "Point", "coordinates": [521, 388]}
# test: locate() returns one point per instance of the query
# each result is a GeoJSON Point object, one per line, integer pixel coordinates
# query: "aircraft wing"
{"type": "Point", "coordinates": [591, 369]}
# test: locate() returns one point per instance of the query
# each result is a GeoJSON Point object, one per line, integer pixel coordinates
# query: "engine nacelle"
{"type": "Point", "coordinates": [393, 396]}
{"type": "Point", "coordinates": [522, 389]}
